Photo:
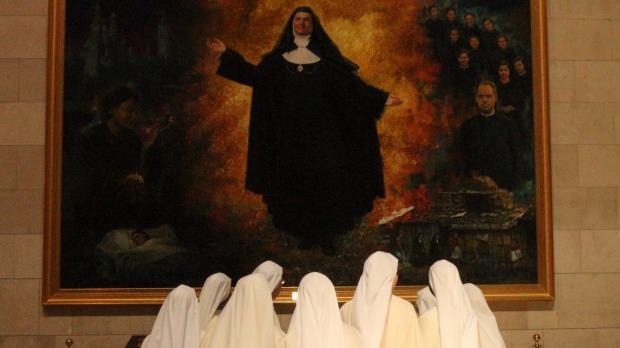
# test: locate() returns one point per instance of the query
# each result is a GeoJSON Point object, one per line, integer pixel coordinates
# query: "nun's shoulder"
{"type": "Point", "coordinates": [402, 306]}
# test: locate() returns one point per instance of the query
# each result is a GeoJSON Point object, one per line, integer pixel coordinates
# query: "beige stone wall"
{"type": "Point", "coordinates": [584, 70]}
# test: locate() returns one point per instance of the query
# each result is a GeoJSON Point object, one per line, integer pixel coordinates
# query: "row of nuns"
{"type": "Point", "coordinates": [451, 314]}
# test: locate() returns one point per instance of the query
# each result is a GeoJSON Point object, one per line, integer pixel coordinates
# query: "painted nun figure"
{"type": "Point", "coordinates": [313, 150]}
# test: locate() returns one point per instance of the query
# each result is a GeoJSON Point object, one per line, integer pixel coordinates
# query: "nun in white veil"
{"type": "Point", "coordinates": [385, 320]}
{"type": "Point", "coordinates": [490, 337]}
{"type": "Point", "coordinates": [425, 301]}
{"type": "Point", "coordinates": [461, 317]}
{"type": "Point", "coordinates": [215, 290]}
{"type": "Point", "coordinates": [273, 273]}
{"type": "Point", "coordinates": [429, 320]}
{"type": "Point", "coordinates": [458, 323]}
{"type": "Point", "coordinates": [177, 323]}
{"type": "Point", "coordinates": [247, 318]}
{"type": "Point", "coordinates": [316, 321]}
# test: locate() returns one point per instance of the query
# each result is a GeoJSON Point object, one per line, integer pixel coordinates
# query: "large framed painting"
{"type": "Point", "coordinates": [191, 137]}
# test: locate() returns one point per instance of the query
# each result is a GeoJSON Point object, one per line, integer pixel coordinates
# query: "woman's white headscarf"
{"type": "Point", "coordinates": [272, 272]}
{"type": "Point", "coordinates": [316, 321]}
{"type": "Point", "coordinates": [371, 301]}
{"type": "Point", "coordinates": [215, 290]}
{"type": "Point", "coordinates": [246, 320]}
{"type": "Point", "coordinates": [177, 323]}
{"type": "Point", "coordinates": [458, 324]}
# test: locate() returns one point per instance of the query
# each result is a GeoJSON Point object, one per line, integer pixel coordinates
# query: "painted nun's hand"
{"type": "Point", "coordinates": [393, 100]}
{"type": "Point", "coordinates": [216, 46]}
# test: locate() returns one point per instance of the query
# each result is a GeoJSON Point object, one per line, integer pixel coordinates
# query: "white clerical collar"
{"type": "Point", "coordinates": [301, 55]}
{"type": "Point", "coordinates": [489, 114]}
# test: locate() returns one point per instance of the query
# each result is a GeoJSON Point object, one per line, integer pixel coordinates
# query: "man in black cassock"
{"type": "Point", "coordinates": [490, 143]}
{"type": "Point", "coordinates": [313, 148]}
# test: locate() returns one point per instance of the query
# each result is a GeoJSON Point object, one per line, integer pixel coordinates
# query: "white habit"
{"type": "Point", "coordinates": [385, 321]}
{"type": "Point", "coordinates": [426, 300]}
{"type": "Point", "coordinates": [215, 290]}
{"type": "Point", "coordinates": [177, 323]}
{"type": "Point", "coordinates": [316, 321]}
{"type": "Point", "coordinates": [462, 304]}
{"type": "Point", "coordinates": [273, 273]}
{"type": "Point", "coordinates": [402, 328]}
{"type": "Point", "coordinates": [490, 336]}
{"type": "Point", "coordinates": [429, 326]}
{"type": "Point", "coordinates": [247, 318]}
{"type": "Point", "coordinates": [458, 323]}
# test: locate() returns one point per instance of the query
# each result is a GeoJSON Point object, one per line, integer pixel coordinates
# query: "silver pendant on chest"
{"type": "Point", "coordinates": [300, 68]}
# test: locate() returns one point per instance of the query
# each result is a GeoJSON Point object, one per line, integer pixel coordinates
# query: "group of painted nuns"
{"type": "Point", "coordinates": [452, 315]}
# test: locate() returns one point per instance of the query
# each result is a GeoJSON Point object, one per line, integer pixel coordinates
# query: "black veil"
{"type": "Point", "coordinates": [320, 43]}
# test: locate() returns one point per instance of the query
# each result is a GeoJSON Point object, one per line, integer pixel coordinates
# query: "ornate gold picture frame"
{"type": "Point", "coordinates": [394, 52]}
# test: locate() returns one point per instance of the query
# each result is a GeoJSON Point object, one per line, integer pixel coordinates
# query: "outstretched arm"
{"type": "Point", "coordinates": [232, 64]}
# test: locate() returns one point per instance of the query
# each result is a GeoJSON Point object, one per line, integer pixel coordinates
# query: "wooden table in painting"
{"type": "Point", "coordinates": [489, 236]}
